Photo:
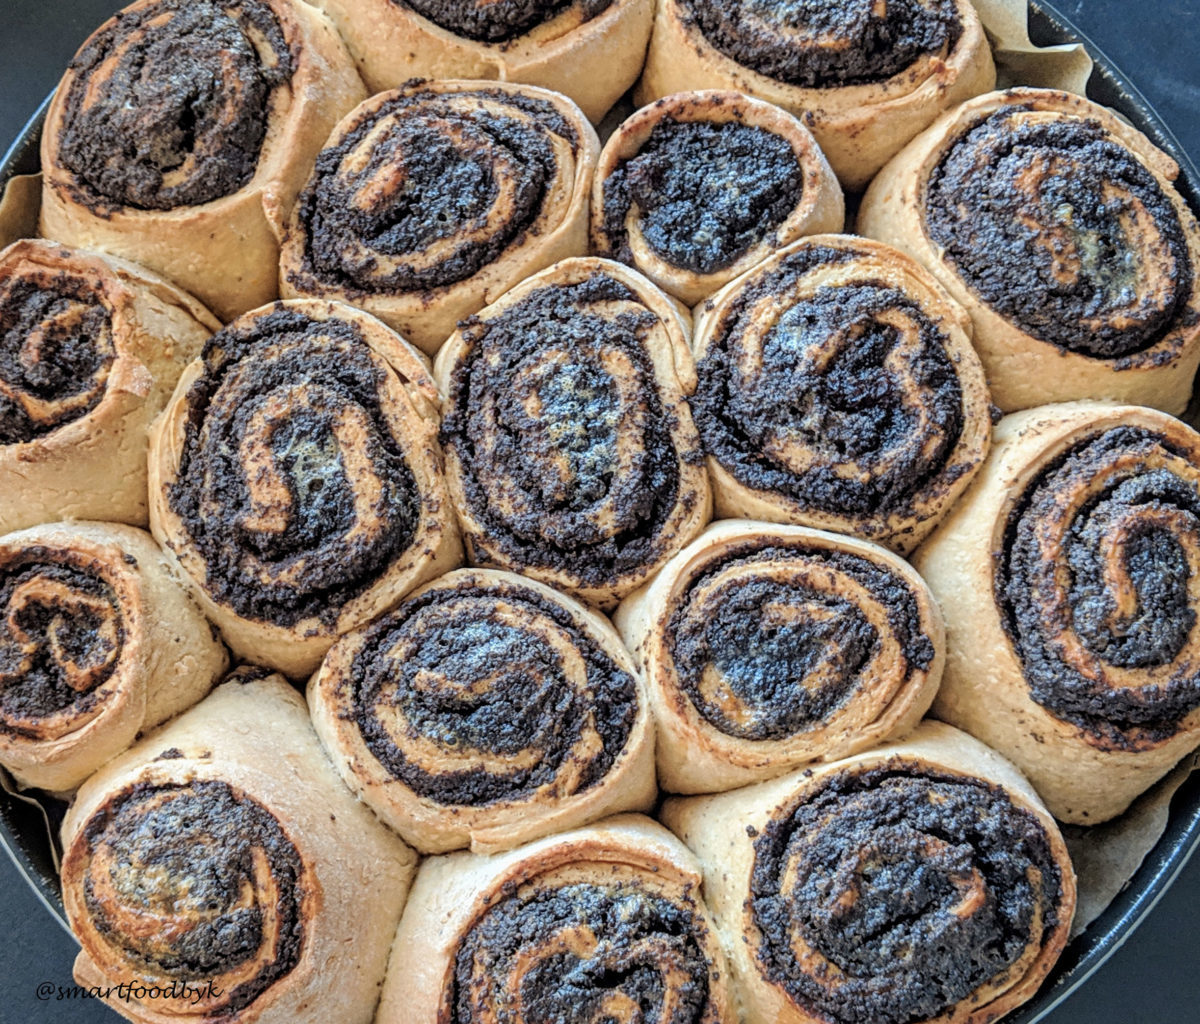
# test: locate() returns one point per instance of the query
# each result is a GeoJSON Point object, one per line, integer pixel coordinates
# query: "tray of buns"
{"type": "Point", "coordinates": [610, 510]}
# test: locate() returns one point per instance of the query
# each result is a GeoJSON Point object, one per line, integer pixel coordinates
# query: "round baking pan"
{"type": "Point", "coordinates": [23, 826]}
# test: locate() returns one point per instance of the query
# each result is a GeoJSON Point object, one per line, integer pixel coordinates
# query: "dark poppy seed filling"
{"type": "Point", "coordinates": [706, 192]}
{"type": "Point", "coordinates": [765, 646]}
{"type": "Point", "coordinates": [56, 353]}
{"type": "Point", "coordinates": [292, 485]}
{"type": "Point", "coordinates": [430, 188]}
{"type": "Point", "coordinates": [501, 685]}
{"type": "Point", "coordinates": [567, 454]}
{"type": "Point", "coordinates": [819, 44]}
{"type": "Point", "coordinates": [1098, 581]}
{"type": "Point", "coordinates": [892, 894]}
{"type": "Point", "coordinates": [1060, 229]}
{"type": "Point", "coordinates": [62, 631]}
{"type": "Point", "coordinates": [214, 868]}
{"type": "Point", "coordinates": [169, 103]}
{"type": "Point", "coordinates": [500, 21]}
{"type": "Point", "coordinates": [854, 377]}
{"type": "Point", "coordinates": [614, 952]}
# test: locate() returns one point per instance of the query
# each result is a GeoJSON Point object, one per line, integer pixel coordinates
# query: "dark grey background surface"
{"type": "Point", "coordinates": [1153, 979]}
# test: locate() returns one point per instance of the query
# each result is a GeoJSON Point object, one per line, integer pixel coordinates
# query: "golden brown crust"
{"type": "Point", "coordinates": [594, 61]}
{"type": "Point", "coordinates": [859, 127]}
{"type": "Point", "coordinates": [95, 345]}
{"type": "Point", "coordinates": [540, 152]}
{"type": "Point", "coordinates": [273, 892]}
{"type": "Point", "coordinates": [226, 249]}
{"type": "Point", "coordinates": [281, 563]}
{"type": "Point", "coordinates": [943, 790]}
{"type": "Point", "coordinates": [620, 229]}
{"type": "Point", "coordinates": [1136, 335]}
{"type": "Point", "coordinates": [103, 643]}
{"type": "Point", "coordinates": [782, 416]}
{"type": "Point", "coordinates": [471, 937]}
{"type": "Point", "coordinates": [587, 365]}
{"type": "Point", "coordinates": [725, 637]}
{"type": "Point", "coordinates": [486, 711]}
{"type": "Point", "coordinates": [1062, 501]}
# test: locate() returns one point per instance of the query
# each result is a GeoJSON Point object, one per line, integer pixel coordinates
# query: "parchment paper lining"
{"type": "Point", "coordinates": [1106, 856]}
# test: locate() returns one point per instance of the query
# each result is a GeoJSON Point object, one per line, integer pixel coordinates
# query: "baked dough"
{"type": "Point", "coordinates": [1071, 298]}
{"type": "Point", "coordinates": [1069, 579]}
{"type": "Point", "coordinates": [766, 647]}
{"type": "Point", "coordinates": [860, 114]}
{"type": "Point", "coordinates": [273, 892]}
{"type": "Point", "coordinates": [205, 207]}
{"type": "Point", "coordinates": [487, 710]}
{"type": "Point", "coordinates": [296, 478]}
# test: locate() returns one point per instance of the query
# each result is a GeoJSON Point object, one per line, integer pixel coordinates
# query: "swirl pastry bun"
{"type": "Point", "coordinates": [837, 388]}
{"type": "Point", "coordinates": [429, 202]}
{"type": "Point", "coordinates": [1069, 575]}
{"type": "Point", "coordinates": [601, 923]}
{"type": "Point", "coordinates": [221, 871]}
{"type": "Point", "coordinates": [1058, 227]}
{"type": "Point", "coordinates": [570, 450]}
{"type": "Point", "coordinates": [866, 77]}
{"type": "Point", "coordinates": [700, 186]}
{"type": "Point", "coordinates": [182, 132]}
{"type": "Point", "coordinates": [921, 881]}
{"type": "Point", "coordinates": [296, 478]}
{"type": "Point", "coordinates": [766, 647]}
{"type": "Point", "coordinates": [90, 349]}
{"type": "Point", "coordinates": [486, 711]}
{"type": "Point", "coordinates": [590, 50]}
{"type": "Point", "coordinates": [99, 642]}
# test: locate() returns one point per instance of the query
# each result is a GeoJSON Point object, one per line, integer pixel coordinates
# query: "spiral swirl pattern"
{"type": "Point", "coordinates": [168, 102]}
{"type": "Point", "coordinates": [428, 187]}
{"type": "Point", "coordinates": [294, 486]}
{"type": "Point", "coordinates": [560, 433]}
{"type": "Point", "coordinates": [1100, 582]}
{"type": "Point", "coordinates": [893, 894]}
{"type": "Point", "coordinates": [62, 630]}
{"type": "Point", "coordinates": [56, 352]}
{"type": "Point", "coordinates": [485, 692]}
{"type": "Point", "coordinates": [192, 882]}
{"type": "Point", "coordinates": [834, 389]}
{"type": "Point", "coordinates": [823, 44]}
{"type": "Point", "coordinates": [498, 21]}
{"type": "Point", "coordinates": [1062, 230]}
{"type": "Point", "coordinates": [770, 641]}
{"type": "Point", "coordinates": [590, 943]}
